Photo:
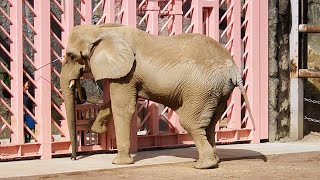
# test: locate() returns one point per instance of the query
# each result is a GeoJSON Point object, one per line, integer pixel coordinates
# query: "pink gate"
{"type": "Point", "coordinates": [33, 38]}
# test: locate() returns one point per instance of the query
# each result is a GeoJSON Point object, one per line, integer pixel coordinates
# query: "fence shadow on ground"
{"type": "Point", "coordinates": [224, 154]}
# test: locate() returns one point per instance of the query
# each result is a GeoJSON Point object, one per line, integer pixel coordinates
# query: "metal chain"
{"type": "Point", "coordinates": [311, 119]}
{"type": "Point", "coordinates": [312, 101]}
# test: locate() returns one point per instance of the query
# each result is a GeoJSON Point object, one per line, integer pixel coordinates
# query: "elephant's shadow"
{"type": "Point", "coordinates": [225, 154]}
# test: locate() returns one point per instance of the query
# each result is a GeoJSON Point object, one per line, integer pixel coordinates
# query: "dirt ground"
{"type": "Point", "coordinates": [288, 166]}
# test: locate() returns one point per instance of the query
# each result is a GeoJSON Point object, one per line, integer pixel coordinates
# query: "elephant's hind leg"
{"type": "Point", "coordinates": [210, 130]}
{"type": "Point", "coordinates": [195, 123]}
{"type": "Point", "coordinates": [123, 102]}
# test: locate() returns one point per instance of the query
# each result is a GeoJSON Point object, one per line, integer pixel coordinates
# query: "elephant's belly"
{"type": "Point", "coordinates": [167, 100]}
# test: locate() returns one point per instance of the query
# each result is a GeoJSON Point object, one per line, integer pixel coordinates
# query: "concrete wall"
{"type": "Point", "coordinates": [279, 29]}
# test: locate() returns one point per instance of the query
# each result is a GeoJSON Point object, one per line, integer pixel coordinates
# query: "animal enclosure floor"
{"type": "Point", "coordinates": [294, 160]}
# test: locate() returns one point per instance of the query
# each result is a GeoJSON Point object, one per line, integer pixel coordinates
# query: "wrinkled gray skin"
{"type": "Point", "coordinates": [190, 73]}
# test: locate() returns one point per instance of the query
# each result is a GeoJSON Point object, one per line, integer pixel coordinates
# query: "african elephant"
{"type": "Point", "coordinates": [190, 73]}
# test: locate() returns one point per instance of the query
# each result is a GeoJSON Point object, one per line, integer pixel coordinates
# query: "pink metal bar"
{"type": "Point", "coordinates": [17, 70]}
{"type": "Point", "coordinates": [153, 123]}
{"type": "Point", "coordinates": [6, 15]}
{"type": "Point", "coordinates": [174, 120]}
{"type": "Point", "coordinates": [253, 73]}
{"type": "Point", "coordinates": [43, 76]}
{"type": "Point", "coordinates": [29, 60]}
{"type": "Point", "coordinates": [263, 62]}
{"type": "Point", "coordinates": [129, 15]}
{"type": "Point", "coordinates": [7, 52]}
{"type": "Point", "coordinates": [82, 16]}
{"type": "Point", "coordinates": [5, 33]}
{"type": "Point", "coordinates": [58, 4]}
{"type": "Point", "coordinates": [56, 20]}
{"type": "Point", "coordinates": [6, 69]}
{"type": "Point", "coordinates": [214, 21]}
{"type": "Point", "coordinates": [29, 42]}
{"type": "Point", "coordinates": [57, 39]}
{"type": "Point", "coordinates": [234, 35]}
{"type": "Point", "coordinates": [30, 7]}
{"type": "Point", "coordinates": [197, 17]}
{"type": "Point", "coordinates": [153, 12]}
{"type": "Point", "coordinates": [6, 123]}
{"type": "Point", "coordinates": [175, 26]}
{"type": "Point", "coordinates": [32, 99]}
{"type": "Point", "coordinates": [86, 10]}
{"type": "Point", "coordinates": [29, 24]}
{"type": "Point", "coordinates": [109, 10]}
{"type": "Point", "coordinates": [6, 87]}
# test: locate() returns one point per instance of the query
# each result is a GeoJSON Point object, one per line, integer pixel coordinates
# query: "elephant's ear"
{"type": "Point", "coordinates": [111, 57]}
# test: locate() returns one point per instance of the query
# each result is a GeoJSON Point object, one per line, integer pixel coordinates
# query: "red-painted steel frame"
{"type": "Point", "coordinates": [249, 53]}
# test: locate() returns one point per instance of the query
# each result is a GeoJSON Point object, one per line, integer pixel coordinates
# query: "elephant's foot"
{"type": "Point", "coordinates": [122, 158]}
{"type": "Point", "coordinates": [98, 128]}
{"type": "Point", "coordinates": [206, 163]}
{"type": "Point", "coordinates": [100, 124]}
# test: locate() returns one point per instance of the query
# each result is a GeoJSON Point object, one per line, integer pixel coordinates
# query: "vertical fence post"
{"type": "Point", "coordinates": [153, 10]}
{"type": "Point", "coordinates": [43, 75]}
{"type": "Point", "coordinates": [16, 68]}
{"type": "Point", "coordinates": [197, 16]}
{"type": "Point", "coordinates": [214, 29]}
{"type": "Point", "coordinates": [86, 10]}
{"type": "Point", "coordinates": [296, 83]}
{"type": "Point", "coordinates": [254, 69]}
{"type": "Point", "coordinates": [129, 16]}
{"type": "Point", "coordinates": [264, 73]}
{"type": "Point", "coordinates": [109, 11]}
{"type": "Point", "coordinates": [233, 34]}
{"type": "Point", "coordinates": [176, 24]}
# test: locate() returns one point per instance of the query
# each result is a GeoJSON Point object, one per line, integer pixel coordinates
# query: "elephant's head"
{"type": "Point", "coordinates": [105, 51]}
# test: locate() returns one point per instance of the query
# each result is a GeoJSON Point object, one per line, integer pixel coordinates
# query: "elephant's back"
{"type": "Point", "coordinates": [201, 47]}
{"type": "Point", "coordinates": [189, 48]}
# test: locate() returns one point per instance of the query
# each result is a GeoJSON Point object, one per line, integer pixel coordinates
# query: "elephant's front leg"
{"type": "Point", "coordinates": [100, 124]}
{"type": "Point", "coordinates": [123, 102]}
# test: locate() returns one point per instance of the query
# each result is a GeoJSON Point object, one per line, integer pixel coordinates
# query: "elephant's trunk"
{"type": "Point", "coordinates": [69, 99]}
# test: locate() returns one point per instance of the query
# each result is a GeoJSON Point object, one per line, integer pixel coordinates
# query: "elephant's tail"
{"type": "Point", "coordinates": [245, 97]}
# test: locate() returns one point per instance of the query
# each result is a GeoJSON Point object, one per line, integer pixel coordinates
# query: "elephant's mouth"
{"type": "Point", "coordinates": [74, 82]}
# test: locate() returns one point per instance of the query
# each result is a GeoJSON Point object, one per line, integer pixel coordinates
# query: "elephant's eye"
{"type": "Point", "coordinates": [73, 57]}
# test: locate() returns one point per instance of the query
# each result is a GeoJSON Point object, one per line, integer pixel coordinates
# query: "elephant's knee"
{"type": "Point", "coordinates": [104, 114]}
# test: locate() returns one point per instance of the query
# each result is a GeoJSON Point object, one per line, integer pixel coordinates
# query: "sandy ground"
{"type": "Point", "coordinates": [282, 166]}
{"type": "Point", "coordinates": [287, 166]}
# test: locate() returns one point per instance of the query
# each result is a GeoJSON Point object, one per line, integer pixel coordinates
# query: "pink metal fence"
{"type": "Point", "coordinates": [37, 40]}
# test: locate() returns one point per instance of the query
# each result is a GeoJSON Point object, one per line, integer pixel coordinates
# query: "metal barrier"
{"type": "Point", "coordinates": [298, 69]}
{"type": "Point", "coordinates": [35, 37]}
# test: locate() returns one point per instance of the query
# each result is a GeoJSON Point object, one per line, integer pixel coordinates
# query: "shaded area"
{"type": "Point", "coordinates": [289, 166]}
